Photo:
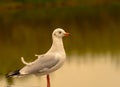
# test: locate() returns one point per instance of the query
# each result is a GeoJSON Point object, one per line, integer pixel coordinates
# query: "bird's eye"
{"type": "Point", "coordinates": [60, 32]}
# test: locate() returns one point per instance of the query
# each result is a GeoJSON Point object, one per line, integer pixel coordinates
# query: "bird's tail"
{"type": "Point", "coordinates": [15, 73]}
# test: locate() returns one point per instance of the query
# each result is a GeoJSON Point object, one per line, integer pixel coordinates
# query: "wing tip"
{"type": "Point", "coordinates": [15, 73]}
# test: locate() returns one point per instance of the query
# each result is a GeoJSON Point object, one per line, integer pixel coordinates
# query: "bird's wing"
{"type": "Point", "coordinates": [43, 63]}
{"type": "Point", "coordinates": [26, 63]}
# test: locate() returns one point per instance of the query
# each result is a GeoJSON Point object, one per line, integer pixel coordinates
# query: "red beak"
{"type": "Point", "coordinates": [67, 34]}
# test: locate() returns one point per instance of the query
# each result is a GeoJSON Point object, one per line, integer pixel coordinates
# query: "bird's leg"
{"type": "Point", "coordinates": [48, 80]}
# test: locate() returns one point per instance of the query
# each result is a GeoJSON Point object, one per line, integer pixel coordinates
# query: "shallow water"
{"type": "Point", "coordinates": [93, 49]}
{"type": "Point", "coordinates": [80, 71]}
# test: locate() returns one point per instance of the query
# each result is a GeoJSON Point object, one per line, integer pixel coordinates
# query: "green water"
{"type": "Point", "coordinates": [93, 50]}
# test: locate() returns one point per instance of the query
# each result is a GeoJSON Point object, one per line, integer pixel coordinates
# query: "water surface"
{"type": "Point", "coordinates": [93, 49]}
{"type": "Point", "coordinates": [80, 71]}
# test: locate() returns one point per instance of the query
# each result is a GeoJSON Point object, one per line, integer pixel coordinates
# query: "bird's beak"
{"type": "Point", "coordinates": [67, 34]}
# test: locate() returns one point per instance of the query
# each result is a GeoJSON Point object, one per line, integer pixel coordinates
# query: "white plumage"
{"type": "Point", "coordinates": [46, 63]}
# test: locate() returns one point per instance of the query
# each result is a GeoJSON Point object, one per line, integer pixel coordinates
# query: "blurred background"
{"type": "Point", "coordinates": [93, 49]}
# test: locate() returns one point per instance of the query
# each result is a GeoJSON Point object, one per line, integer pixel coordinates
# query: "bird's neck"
{"type": "Point", "coordinates": [57, 46]}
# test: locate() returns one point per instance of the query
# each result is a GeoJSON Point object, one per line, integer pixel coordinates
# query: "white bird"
{"type": "Point", "coordinates": [46, 63]}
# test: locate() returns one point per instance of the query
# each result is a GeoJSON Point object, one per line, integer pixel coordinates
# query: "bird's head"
{"type": "Point", "coordinates": [59, 33]}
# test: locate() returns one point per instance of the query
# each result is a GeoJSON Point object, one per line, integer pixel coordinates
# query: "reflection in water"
{"type": "Point", "coordinates": [82, 71]}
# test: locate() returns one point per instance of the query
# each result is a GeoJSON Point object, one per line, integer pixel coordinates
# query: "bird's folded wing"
{"type": "Point", "coordinates": [41, 64]}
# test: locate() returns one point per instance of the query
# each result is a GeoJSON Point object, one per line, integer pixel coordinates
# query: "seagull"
{"type": "Point", "coordinates": [46, 63]}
